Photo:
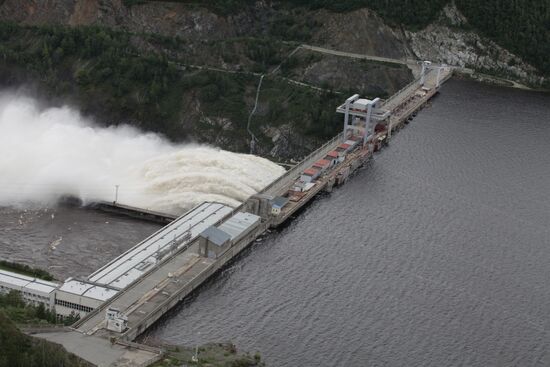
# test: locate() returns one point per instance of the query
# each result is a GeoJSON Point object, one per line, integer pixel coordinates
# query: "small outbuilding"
{"type": "Point", "coordinates": [277, 204]}
{"type": "Point", "coordinates": [213, 242]}
{"type": "Point", "coordinates": [322, 165]}
{"type": "Point", "coordinates": [309, 175]}
{"type": "Point", "coordinates": [332, 157]}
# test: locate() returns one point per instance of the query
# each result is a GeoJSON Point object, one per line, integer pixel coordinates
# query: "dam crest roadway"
{"type": "Point", "coordinates": [134, 290]}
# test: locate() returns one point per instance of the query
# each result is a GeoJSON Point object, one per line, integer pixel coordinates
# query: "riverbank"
{"type": "Point", "coordinates": [26, 270]}
{"type": "Point", "coordinates": [211, 354]}
{"type": "Point", "coordinates": [20, 321]}
{"type": "Point", "coordinates": [493, 80]}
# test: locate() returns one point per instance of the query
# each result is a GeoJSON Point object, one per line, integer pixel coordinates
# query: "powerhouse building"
{"type": "Point", "coordinates": [79, 297]}
{"type": "Point", "coordinates": [34, 291]}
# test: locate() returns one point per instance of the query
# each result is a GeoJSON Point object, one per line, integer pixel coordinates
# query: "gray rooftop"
{"type": "Point", "coordinates": [23, 281]}
{"type": "Point", "coordinates": [216, 236]}
{"type": "Point", "coordinates": [133, 263]}
{"type": "Point", "coordinates": [239, 223]}
{"type": "Point", "coordinates": [279, 201]}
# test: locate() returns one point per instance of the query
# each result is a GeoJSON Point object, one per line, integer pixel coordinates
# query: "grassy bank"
{"type": "Point", "coordinates": [21, 313]}
{"type": "Point", "coordinates": [25, 270]}
{"type": "Point", "coordinates": [21, 350]}
{"type": "Point", "coordinates": [213, 354]}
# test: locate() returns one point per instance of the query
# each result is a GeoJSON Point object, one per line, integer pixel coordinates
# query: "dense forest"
{"type": "Point", "coordinates": [20, 350]}
{"type": "Point", "coordinates": [521, 26]}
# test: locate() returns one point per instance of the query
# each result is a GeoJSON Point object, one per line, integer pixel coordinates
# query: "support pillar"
{"type": "Point", "coordinates": [425, 65]}
{"type": "Point", "coordinates": [346, 120]}
{"type": "Point", "coordinates": [438, 77]}
{"type": "Point", "coordinates": [367, 123]}
{"type": "Point", "coordinates": [349, 101]}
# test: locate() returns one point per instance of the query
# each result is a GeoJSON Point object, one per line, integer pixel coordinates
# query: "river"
{"type": "Point", "coordinates": [67, 241]}
{"type": "Point", "coordinates": [434, 254]}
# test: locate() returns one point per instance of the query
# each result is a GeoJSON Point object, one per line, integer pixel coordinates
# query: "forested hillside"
{"type": "Point", "coordinates": [20, 350]}
{"type": "Point", "coordinates": [164, 84]}
{"type": "Point", "coordinates": [522, 26]}
{"type": "Point", "coordinates": [189, 69]}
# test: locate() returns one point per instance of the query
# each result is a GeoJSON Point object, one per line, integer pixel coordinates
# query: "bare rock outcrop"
{"type": "Point", "coordinates": [450, 41]}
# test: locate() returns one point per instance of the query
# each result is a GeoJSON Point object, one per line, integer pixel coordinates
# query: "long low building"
{"type": "Point", "coordinates": [78, 297]}
{"type": "Point", "coordinates": [34, 291]}
{"type": "Point", "coordinates": [75, 297]}
{"type": "Point", "coordinates": [132, 264]}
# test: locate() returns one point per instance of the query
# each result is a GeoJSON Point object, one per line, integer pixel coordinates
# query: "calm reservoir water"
{"type": "Point", "coordinates": [436, 254]}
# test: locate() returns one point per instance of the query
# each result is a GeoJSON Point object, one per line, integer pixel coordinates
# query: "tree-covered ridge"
{"type": "Point", "coordinates": [157, 88]}
{"type": "Point", "coordinates": [521, 26]}
{"type": "Point", "coordinates": [95, 61]}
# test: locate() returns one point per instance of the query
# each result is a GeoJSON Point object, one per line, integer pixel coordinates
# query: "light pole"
{"type": "Point", "coordinates": [116, 194]}
{"type": "Point", "coordinates": [195, 358]}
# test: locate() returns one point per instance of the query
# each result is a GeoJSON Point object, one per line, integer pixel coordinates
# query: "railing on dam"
{"type": "Point", "coordinates": [276, 186]}
{"type": "Point", "coordinates": [283, 181]}
{"type": "Point", "coordinates": [396, 96]}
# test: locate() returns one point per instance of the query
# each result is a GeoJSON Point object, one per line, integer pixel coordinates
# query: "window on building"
{"type": "Point", "coordinates": [74, 306]}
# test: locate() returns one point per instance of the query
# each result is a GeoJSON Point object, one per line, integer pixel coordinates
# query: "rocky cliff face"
{"type": "Point", "coordinates": [449, 41]}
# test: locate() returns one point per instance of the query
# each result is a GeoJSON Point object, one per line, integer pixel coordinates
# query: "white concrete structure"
{"type": "Point", "coordinates": [132, 264]}
{"type": "Point", "coordinates": [79, 298]}
{"type": "Point", "coordinates": [116, 320]}
{"type": "Point", "coordinates": [34, 291]}
{"type": "Point", "coordinates": [363, 113]}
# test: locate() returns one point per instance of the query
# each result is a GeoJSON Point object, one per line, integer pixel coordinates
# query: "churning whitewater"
{"type": "Point", "coordinates": [46, 153]}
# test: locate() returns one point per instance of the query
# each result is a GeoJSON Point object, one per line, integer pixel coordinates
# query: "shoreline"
{"type": "Point", "coordinates": [470, 74]}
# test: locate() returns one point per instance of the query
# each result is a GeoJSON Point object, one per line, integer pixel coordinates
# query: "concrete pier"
{"type": "Point", "coordinates": [134, 212]}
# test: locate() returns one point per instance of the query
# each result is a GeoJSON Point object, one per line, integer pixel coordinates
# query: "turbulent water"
{"type": "Point", "coordinates": [67, 241]}
{"type": "Point", "coordinates": [46, 153]}
{"type": "Point", "coordinates": [436, 254]}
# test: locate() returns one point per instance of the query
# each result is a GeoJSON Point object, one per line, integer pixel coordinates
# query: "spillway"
{"type": "Point", "coordinates": [46, 153]}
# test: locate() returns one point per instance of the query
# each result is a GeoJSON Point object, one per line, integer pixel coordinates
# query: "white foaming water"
{"type": "Point", "coordinates": [48, 153]}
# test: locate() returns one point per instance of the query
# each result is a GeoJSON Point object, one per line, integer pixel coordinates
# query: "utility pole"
{"type": "Point", "coordinates": [116, 194]}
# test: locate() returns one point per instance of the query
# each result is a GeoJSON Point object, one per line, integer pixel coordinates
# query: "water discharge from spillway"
{"type": "Point", "coordinates": [46, 153]}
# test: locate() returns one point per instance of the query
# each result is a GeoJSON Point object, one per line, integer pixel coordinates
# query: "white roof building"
{"type": "Point", "coordinates": [80, 297]}
{"type": "Point", "coordinates": [33, 290]}
{"type": "Point", "coordinates": [132, 264]}
{"type": "Point", "coordinates": [239, 225]}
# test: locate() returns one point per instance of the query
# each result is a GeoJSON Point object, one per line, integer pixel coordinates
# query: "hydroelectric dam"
{"type": "Point", "coordinates": [121, 300]}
